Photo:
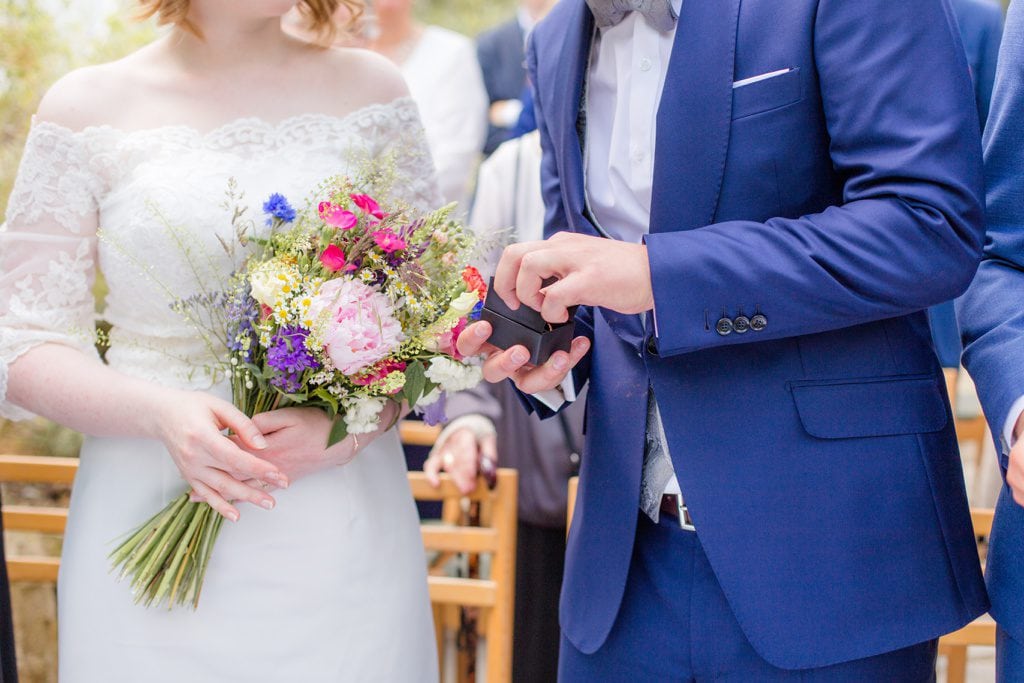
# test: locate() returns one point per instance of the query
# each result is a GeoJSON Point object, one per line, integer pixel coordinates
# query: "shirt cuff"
{"type": "Point", "coordinates": [1011, 421]}
{"type": "Point", "coordinates": [560, 395]}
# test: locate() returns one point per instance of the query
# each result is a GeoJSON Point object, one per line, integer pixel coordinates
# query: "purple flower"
{"type": "Point", "coordinates": [475, 313]}
{"type": "Point", "coordinates": [434, 413]}
{"type": "Point", "coordinates": [290, 357]}
{"type": "Point", "coordinates": [278, 207]}
{"type": "Point", "coordinates": [242, 314]}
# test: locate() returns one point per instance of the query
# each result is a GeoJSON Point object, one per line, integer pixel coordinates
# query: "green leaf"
{"type": "Point", "coordinates": [338, 432]}
{"type": "Point", "coordinates": [328, 398]}
{"type": "Point", "coordinates": [415, 382]}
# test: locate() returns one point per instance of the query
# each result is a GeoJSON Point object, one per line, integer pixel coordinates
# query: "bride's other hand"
{"type": "Point", "coordinates": [214, 465]}
{"type": "Point", "coordinates": [297, 439]}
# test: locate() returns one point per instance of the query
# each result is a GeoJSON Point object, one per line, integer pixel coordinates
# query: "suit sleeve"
{"type": "Point", "coordinates": [991, 315]}
{"type": "Point", "coordinates": [899, 108]}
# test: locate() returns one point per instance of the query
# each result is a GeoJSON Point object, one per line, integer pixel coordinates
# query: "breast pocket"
{"type": "Point", "coordinates": [767, 92]}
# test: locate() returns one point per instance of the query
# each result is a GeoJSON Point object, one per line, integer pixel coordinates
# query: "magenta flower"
{"type": "Point", "coordinates": [336, 216]}
{"type": "Point", "coordinates": [388, 241]}
{"type": "Point", "coordinates": [368, 205]}
{"type": "Point", "coordinates": [333, 258]}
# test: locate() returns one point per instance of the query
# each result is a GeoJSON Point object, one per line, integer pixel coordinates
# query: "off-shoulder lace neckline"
{"type": "Point", "coordinates": [232, 127]}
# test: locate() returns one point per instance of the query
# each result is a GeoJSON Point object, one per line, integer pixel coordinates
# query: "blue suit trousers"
{"type": "Point", "coordinates": [676, 625]}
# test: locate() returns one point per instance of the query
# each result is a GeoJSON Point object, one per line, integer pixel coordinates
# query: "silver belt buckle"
{"type": "Point", "coordinates": [685, 521]}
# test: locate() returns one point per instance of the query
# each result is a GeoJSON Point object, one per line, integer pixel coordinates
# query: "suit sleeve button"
{"type": "Point", "coordinates": [758, 323]}
{"type": "Point", "coordinates": [741, 324]}
{"type": "Point", "coordinates": [724, 326]}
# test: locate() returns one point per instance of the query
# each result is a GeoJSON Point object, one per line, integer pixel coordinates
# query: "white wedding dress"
{"type": "Point", "coordinates": [330, 585]}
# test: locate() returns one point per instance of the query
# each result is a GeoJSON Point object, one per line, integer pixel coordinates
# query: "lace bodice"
{"type": "Point", "coordinates": [145, 207]}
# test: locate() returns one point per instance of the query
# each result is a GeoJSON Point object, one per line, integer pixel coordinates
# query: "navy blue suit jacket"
{"type": "Point", "coordinates": [500, 53]}
{"type": "Point", "coordinates": [981, 28]}
{"type": "Point", "coordinates": [991, 315]}
{"type": "Point", "coordinates": [817, 455]}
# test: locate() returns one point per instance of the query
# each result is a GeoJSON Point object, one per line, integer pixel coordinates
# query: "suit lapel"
{"type": "Point", "coordinates": [694, 117]}
{"type": "Point", "coordinates": [565, 70]}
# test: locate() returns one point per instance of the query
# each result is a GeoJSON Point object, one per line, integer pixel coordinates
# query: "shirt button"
{"type": "Point", "coordinates": [638, 155]}
{"type": "Point", "coordinates": [645, 64]}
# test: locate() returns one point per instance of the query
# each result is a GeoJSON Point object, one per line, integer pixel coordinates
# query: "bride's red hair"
{"type": "Point", "coordinates": [319, 14]}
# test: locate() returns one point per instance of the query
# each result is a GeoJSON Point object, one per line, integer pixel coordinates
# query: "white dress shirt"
{"type": "Point", "coordinates": [628, 65]}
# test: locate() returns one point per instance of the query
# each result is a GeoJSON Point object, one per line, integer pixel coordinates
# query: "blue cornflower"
{"type": "Point", "coordinates": [278, 207]}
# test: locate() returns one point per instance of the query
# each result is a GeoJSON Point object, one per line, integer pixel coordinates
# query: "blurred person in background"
{"type": "Point", "coordinates": [981, 28]}
{"type": "Point", "coordinates": [501, 51]}
{"type": "Point", "coordinates": [489, 423]}
{"type": "Point", "coordinates": [992, 320]}
{"type": "Point", "coordinates": [444, 78]}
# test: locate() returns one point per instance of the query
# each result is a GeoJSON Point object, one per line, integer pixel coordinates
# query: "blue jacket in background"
{"type": "Point", "coordinates": [992, 313]}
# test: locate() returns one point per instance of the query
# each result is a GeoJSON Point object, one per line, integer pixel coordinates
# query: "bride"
{"type": "Point", "coordinates": [321, 577]}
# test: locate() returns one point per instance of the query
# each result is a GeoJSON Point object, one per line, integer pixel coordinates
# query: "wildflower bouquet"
{"type": "Point", "coordinates": [345, 307]}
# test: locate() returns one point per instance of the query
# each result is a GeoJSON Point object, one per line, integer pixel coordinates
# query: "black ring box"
{"type": "Point", "coordinates": [525, 326]}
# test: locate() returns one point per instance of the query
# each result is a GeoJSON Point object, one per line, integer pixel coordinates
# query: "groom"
{"type": "Point", "coordinates": [761, 198]}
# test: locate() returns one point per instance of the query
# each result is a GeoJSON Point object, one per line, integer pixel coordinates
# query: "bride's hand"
{"type": "Point", "coordinates": [297, 440]}
{"type": "Point", "coordinates": [190, 424]}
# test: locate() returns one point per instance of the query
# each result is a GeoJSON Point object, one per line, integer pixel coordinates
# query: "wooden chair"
{"type": "Point", "coordinates": [494, 595]}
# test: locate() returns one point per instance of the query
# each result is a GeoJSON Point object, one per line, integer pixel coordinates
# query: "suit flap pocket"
{"type": "Point", "coordinates": [764, 95]}
{"type": "Point", "coordinates": [874, 407]}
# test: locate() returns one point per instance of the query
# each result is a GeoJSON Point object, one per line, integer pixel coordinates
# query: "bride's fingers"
{"type": "Point", "coordinates": [230, 417]}
{"type": "Point", "coordinates": [231, 489]}
{"type": "Point", "coordinates": [229, 457]}
{"type": "Point", "coordinates": [214, 500]}
{"type": "Point", "coordinates": [273, 421]}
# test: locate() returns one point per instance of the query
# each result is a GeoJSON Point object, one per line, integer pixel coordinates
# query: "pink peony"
{"type": "Point", "coordinates": [333, 258]}
{"type": "Point", "coordinates": [336, 216]}
{"type": "Point", "coordinates": [368, 205]}
{"type": "Point", "coordinates": [388, 241]}
{"type": "Point", "coordinates": [356, 323]}
{"type": "Point", "coordinates": [446, 343]}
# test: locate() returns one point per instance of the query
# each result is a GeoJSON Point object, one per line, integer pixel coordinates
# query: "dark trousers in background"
{"type": "Point", "coordinates": [540, 561]}
{"type": "Point", "coordinates": [675, 625]}
{"type": "Point", "coordinates": [8, 670]}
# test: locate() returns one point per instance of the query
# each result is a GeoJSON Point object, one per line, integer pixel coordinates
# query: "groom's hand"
{"type": "Point", "coordinates": [513, 363]}
{"type": "Point", "coordinates": [591, 271]}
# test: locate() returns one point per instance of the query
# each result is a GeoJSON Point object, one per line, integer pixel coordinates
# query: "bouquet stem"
{"type": "Point", "coordinates": [166, 558]}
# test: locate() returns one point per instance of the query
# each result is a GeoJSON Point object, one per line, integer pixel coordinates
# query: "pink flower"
{"type": "Point", "coordinates": [333, 258]}
{"type": "Point", "coordinates": [446, 343]}
{"type": "Point", "coordinates": [388, 241]}
{"type": "Point", "coordinates": [336, 216]}
{"type": "Point", "coordinates": [368, 205]}
{"type": "Point", "coordinates": [378, 372]}
{"type": "Point", "coordinates": [356, 323]}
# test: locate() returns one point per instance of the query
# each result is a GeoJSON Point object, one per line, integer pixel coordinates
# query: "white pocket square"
{"type": "Point", "coordinates": [758, 79]}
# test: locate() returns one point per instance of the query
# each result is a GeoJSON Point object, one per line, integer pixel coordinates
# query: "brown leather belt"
{"type": "Point", "coordinates": [672, 506]}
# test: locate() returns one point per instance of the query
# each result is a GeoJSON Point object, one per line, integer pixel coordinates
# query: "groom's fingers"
{"type": "Point", "coordinates": [558, 297]}
{"type": "Point", "coordinates": [532, 380]}
{"type": "Point", "coordinates": [507, 272]}
{"type": "Point", "coordinates": [473, 340]}
{"type": "Point", "coordinates": [501, 366]}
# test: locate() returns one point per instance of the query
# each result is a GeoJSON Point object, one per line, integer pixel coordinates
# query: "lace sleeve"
{"type": "Point", "coordinates": [47, 252]}
{"type": "Point", "coordinates": [415, 180]}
